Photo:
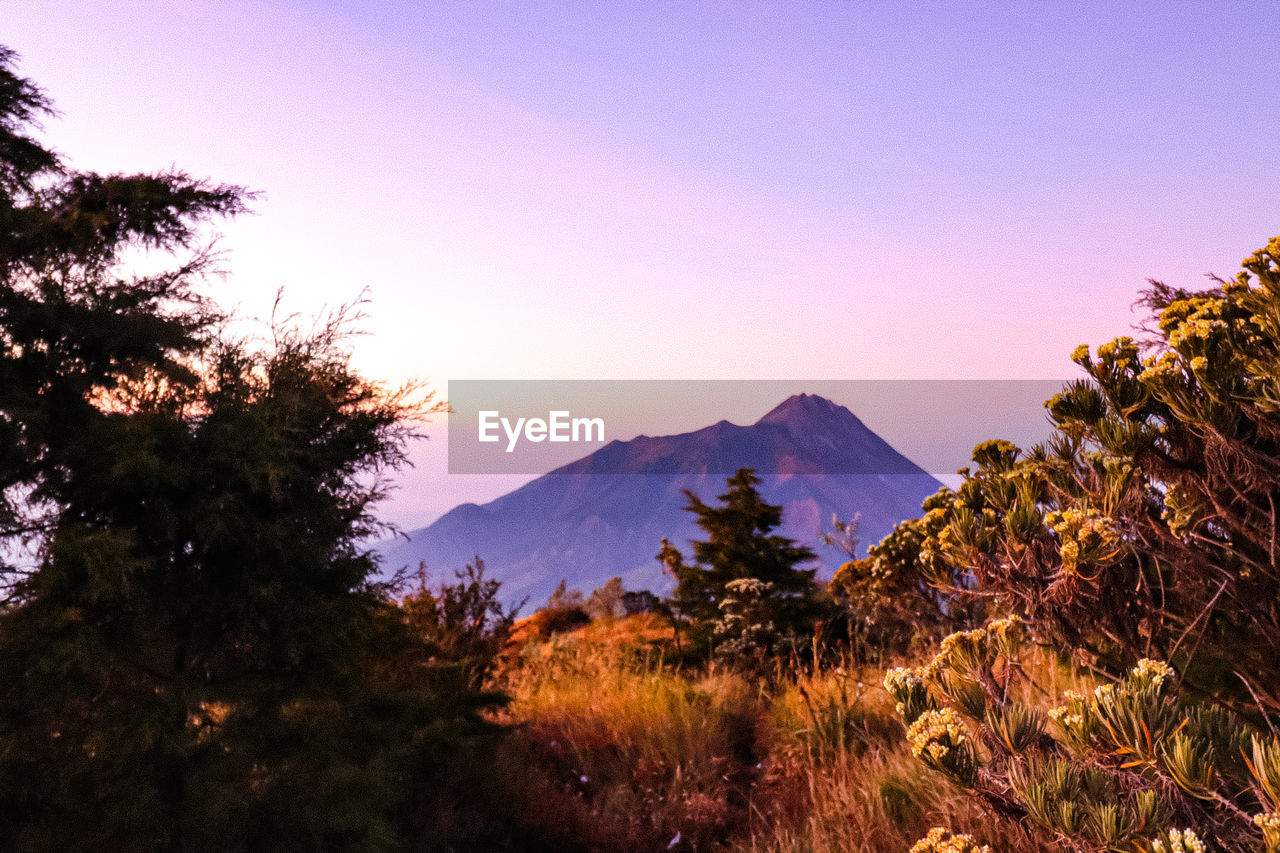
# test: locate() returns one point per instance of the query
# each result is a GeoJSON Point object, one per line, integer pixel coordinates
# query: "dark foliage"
{"type": "Point", "coordinates": [192, 653]}
{"type": "Point", "coordinates": [464, 624]}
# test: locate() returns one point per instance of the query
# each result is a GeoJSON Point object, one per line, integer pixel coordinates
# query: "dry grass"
{"type": "Point", "coordinates": [839, 776]}
{"type": "Point", "coordinates": [636, 752]}
{"type": "Point", "coordinates": [618, 750]}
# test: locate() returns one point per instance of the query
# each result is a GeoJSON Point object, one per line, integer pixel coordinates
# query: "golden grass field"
{"type": "Point", "coordinates": [616, 749]}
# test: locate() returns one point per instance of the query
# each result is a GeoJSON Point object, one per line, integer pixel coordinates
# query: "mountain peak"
{"type": "Point", "coordinates": [807, 409]}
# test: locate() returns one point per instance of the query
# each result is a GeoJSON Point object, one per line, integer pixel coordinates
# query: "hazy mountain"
{"type": "Point", "coordinates": [604, 514]}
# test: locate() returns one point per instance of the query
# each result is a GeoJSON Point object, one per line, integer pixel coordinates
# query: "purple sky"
{"type": "Point", "coordinates": [692, 190]}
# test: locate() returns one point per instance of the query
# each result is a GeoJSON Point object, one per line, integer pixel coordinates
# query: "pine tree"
{"type": "Point", "coordinates": [740, 545]}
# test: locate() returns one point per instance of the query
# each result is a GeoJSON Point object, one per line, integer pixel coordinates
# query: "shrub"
{"type": "Point", "coordinates": [1140, 539]}
{"type": "Point", "coordinates": [463, 624]}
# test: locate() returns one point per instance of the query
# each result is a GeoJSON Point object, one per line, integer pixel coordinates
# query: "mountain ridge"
{"type": "Point", "coordinates": [604, 514]}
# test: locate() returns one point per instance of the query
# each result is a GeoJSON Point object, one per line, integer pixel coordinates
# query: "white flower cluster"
{"type": "Point", "coordinates": [1062, 714]}
{"type": "Point", "coordinates": [901, 682]}
{"type": "Point", "coordinates": [901, 679]}
{"type": "Point", "coordinates": [749, 586]}
{"type": "Point", "coordinates": [936, 733]}
{"type": "Point", "coordinates": [1174, 841]}
{"type": "Point", "coordinates": [1153, 671]}
{"type": "Point", "coordinates": [1269, 823]}
{"type": "Point", "coordinates": [940, 840]}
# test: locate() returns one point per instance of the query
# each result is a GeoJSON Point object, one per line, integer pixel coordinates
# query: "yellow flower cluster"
{"type": "Point", "coordinates": [1083, 534]}
{"type": "Point", "coordinates": [901, 681]}
{"type": "Point", "coordinates": [1174, 841]}
{"type": "Point", "coordinates": [1154, 671]}
{"type": "Point", "coordinates": [1164, 366]}
{"type": "Point", "coordinates": [936, 733]}
{"type": "Point", "coordinates": [940, 840]}
{"type": "Point", "coordinates": [1062, 714]}
{"type": "Point", "coordinates": [1002, 626]}
{"type": "Point", "coordinates": [949, 644]}
{"type": "Point", "coordinates": [1070, 552]}
{"type": "Point", "coordinates": [1189, 319]}
{"type": "Point", "coordinates": [1063, 717]}
{"type": "Point", "coordinates": [1196, 327]}
{"type": "Point", "coordinates": [1122, 352]}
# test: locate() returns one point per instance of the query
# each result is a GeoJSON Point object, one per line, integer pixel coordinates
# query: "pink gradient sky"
{"type": "Point", "coordinates": [691, 190]}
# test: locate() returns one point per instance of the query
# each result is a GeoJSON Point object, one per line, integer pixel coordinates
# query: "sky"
{"type": "Point", "coordinates": [689, 190]}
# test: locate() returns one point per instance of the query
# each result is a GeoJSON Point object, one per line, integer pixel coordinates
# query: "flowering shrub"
{"type": "Point", "coordinates": [1102, 770]}
{"type": "Point", "coordinates": [1140, 539]}
{"type": "Point", "coordinates": [745, 635]}
{"type": "Point", "coordinates": [939, 840]}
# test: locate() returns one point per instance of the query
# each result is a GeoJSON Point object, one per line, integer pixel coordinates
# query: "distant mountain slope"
{"type": "Point", "coordinates": [604, 514]}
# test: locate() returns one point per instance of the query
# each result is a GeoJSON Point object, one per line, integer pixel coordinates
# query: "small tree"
{"type": "Point", "coordinates": [745, 636]}
{"type": "Point", "coordinates": [741, 545]}
{"type": "Point", "coordinates": [563, 598]}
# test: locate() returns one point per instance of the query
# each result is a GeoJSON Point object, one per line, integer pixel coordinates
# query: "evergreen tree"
{"type": "Point", "coordinates": [192, 654]}
{"type": "Point", "coordinates": [740, 545]}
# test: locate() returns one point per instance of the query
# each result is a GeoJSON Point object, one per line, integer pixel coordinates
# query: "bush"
{"type": "Point", "coordinates": [1139, 540]}
{"type": "Point", "coordinates": [463, 624]}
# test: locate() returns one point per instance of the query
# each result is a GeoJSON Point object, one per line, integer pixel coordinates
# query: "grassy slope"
{"type": "Point", "coordinates": [617, 750]}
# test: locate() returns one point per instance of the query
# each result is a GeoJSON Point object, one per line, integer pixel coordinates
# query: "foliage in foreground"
{"type": "Point", "coordinates": [1140, 540]}
{"type": "Point", "coordinates": [193, 653]}
{"type": "Point", "coordinates": [619, 747]}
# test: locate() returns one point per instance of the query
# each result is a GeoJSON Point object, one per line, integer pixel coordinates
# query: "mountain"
{"type": "Point", "coordinates": [604, 514]}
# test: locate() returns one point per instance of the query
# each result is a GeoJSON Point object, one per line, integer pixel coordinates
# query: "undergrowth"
{"type": "Point", "coordinates": [616, 747]}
